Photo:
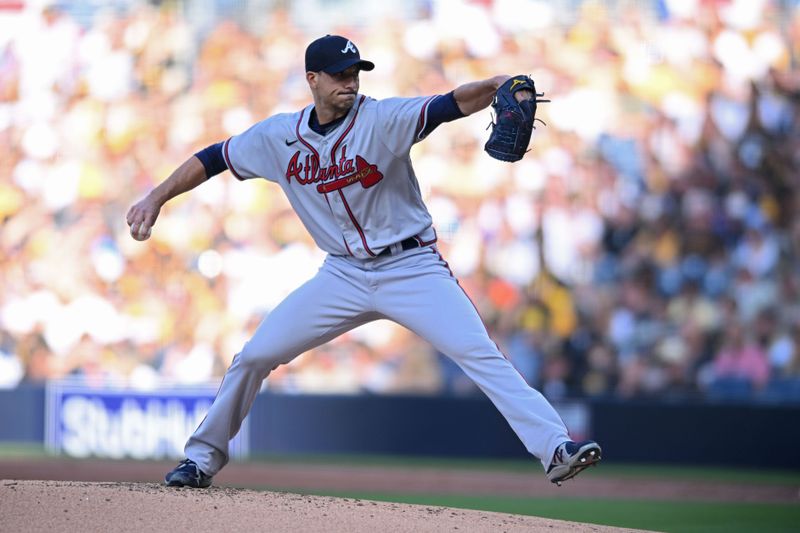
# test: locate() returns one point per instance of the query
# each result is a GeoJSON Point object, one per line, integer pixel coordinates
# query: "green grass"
{"type": "Point", "coordinates": [671, 472]}
{"type": "Point", "coordinates": [404, 462]}
{"type": "Point", "coordinates": [720, 474]}
{"type": "Point", "coordinates": [17, 450]}
{"type": "Point", "coordinates": [678, 517]}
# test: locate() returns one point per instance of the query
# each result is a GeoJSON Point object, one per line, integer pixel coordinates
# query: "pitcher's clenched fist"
{"type": "Point", "coordinates": [141, 218]}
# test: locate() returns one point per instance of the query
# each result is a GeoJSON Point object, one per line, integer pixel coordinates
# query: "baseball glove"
{"type": "Point", "coordinates": [512, 129]}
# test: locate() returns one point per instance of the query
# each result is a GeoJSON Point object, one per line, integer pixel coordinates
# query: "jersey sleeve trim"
{"type": "Point", "coordinates": [228, 160]}
{"type": "Point", "coordinates": [423, 120]}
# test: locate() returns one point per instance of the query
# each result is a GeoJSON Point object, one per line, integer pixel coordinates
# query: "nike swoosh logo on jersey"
{"type": "Point", "coordinates": [289, 143]}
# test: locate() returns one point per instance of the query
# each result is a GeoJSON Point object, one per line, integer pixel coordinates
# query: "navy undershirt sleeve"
{"type": "Point", "coordinates": [212, 159]}
{"type": "Point", "coordinates": [442, 109]}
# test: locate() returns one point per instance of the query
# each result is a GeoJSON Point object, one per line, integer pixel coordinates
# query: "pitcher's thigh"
{"type": "Point", "coordinates": [437, 309]}
{"type": "Point", "coordinates": [319, 310]}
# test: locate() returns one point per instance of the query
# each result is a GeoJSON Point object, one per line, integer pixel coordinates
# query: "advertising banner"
{"type": "Point", "coordinates": [116, 423]}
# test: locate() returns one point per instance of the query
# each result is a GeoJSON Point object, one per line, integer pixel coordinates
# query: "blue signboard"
{"type": "Point", "coordinates": [116, 423]}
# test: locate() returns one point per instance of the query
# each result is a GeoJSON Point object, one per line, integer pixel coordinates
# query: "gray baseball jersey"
{"type": "Point", "coordinates": [354, 189]}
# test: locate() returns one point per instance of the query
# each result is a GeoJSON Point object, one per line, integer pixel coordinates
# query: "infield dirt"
{"type": "Point", "coordinates": [87, 507]}
{"type": "Point", "coordinates": [105, 495]}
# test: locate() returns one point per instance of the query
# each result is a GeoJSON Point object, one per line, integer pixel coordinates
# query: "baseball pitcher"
{"type": "Point", "coordinates": [343, 163]}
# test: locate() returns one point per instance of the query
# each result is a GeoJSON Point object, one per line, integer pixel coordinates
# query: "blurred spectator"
{"type": "Point", "coordinates": [740, 357]}
{"type": "Point", "coordinates": [647, 244]}
{"type": "Point", "coordinates": [784, 353]}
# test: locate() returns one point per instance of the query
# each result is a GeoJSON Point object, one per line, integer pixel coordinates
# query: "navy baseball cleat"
{"type": "Point", "coordinates": [188, 474]}
{"type": "Point", "coordinates": [572, 458]}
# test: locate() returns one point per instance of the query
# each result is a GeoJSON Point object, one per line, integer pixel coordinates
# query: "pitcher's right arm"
{"type": "Point", "coordinates": [194, 171]}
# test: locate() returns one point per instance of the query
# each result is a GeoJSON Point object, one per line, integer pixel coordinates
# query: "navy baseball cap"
{"type": "Point", "coordinates": [334, 53]}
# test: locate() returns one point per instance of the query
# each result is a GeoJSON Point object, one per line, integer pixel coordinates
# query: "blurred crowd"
{"type": "Point", "coordinates": [645, 246]}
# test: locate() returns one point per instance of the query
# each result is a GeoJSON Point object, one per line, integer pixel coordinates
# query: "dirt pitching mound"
{"type": "Point", "coordinates": [89, 507]}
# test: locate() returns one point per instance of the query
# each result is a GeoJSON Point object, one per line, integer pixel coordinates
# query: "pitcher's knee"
{"type": "Point", "coordinates": [477, 349]}
{"type": "Point", "coordinates": [477, 344]}
{"type": "Point", "coordinates": [259, 358]}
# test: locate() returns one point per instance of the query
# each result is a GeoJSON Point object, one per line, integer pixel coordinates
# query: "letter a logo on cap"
{"type": "Point", "coordinates": [349, 47]}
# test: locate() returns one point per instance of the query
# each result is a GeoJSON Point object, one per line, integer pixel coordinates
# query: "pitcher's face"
{"type": "Point", "coordinates": [335, 91]}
